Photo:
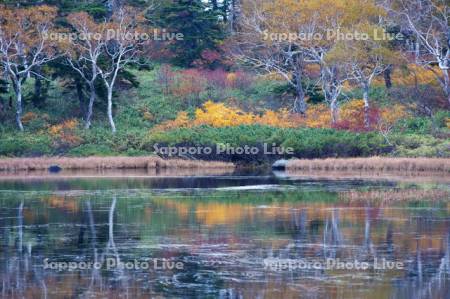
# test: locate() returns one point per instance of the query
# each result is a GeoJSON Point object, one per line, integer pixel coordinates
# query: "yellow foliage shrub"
{"type": "Point", "coordinates": [414, 75]}
{"type": "Point", "coordinates": [182, 121]}
{"type": "Point", "coordinates": [280, 119]}
{"type": "Point", "coordinates": [352, 112]}
{"type": "Point", "coordinates": [317, 116]}
{"type": "Point", "coordinates": [219, 115]}
{"type": "Point", "coordinates": [390, 116]}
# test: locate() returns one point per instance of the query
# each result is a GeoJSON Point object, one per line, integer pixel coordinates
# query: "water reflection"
{"type": "Point", "coordinates": [223, 239]}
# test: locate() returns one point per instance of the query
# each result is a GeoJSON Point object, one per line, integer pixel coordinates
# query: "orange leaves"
{"type": "Point", "coordinates": [182, 121]}
{"type": "Point", "coordinates": [59, 202]}
{"type": "Point", "coordinates": [28, 117]}
{"type": "Point", "coordinates": [24, 30]}
{"type": "Point", "coordinates": [65, 134]}
{"type": "Point", "coordinates": [381, 119]}
{"type": "Point", "coordinates": [89, 35]}
{"type": "Point", "coordinates": [68, 125]}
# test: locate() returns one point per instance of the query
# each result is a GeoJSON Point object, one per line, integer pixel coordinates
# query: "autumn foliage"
{"type": "Point", "coordinates": [188, 84]}
{"type": "Point", "coordinates": [318, 116]}
{"type": "Point", "coordinates": [65, 134]}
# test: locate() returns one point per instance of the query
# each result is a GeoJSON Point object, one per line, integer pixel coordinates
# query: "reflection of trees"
{"type": "Point", "coordinates": [96, 278]}
{"type": "Point", "coordinates": [111, 246]}
{"type": "Point", "coordinates": [332, 236]}
{"type": "Point", "coordinates": [95, 275]}
{"type": "Point", "coordinates": [295, 232]}
{"type": "Point", "coordinates": [423, 286]}
{"type": "Point", "coordinates": [18, 264]}
{"type": "Point", "coordinates": [367, 240]}
{"type": "Point", "coordinates": [22, 266]}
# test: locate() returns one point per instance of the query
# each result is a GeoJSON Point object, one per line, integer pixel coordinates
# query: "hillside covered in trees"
{"type": "Point", "coordinates": [326, 78]}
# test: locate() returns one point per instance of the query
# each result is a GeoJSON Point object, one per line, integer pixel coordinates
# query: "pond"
{"type": "Point", "coordinates": [225, 236]}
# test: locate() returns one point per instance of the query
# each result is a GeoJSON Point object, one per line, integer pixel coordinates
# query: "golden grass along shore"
{"type": "Point", "coordinates": [98, 163]}
{"type": "Point", "coordinates": [373, 164]}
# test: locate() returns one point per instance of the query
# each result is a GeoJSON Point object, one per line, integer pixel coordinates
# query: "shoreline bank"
{"type": "Point", "coordinates": [370, 165]}
{"type": "Point", "coordinates": [8, 165]}
{"type": "Point", "coordinates": [373, 167]}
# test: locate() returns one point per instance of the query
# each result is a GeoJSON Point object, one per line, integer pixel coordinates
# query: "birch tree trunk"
{"type": "Point", "coordinates": [366, 105]}
{"type": "Point", "coordinates": [19, 108]}
{"type": "Point", "coordinates": [447, 84]}
{"type": "Point", "coordinates": [92, 96]}
{"type": "Point", "coordinates": [299, 102]}
{"type": "Point", "coordinates": [110, 116]}
{"type": "Point", "coordinates": [334, 110]}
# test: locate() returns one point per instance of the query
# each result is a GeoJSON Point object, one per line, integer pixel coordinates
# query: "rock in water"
{"type": "Point", "coordinates": [54, 169]}
{"type": "Point", "coordinates": [279, 165]}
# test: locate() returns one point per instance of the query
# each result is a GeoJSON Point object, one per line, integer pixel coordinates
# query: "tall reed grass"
{"type": "Point", "coordinates": [373, 164]}
{"type": "Point", "coordinates": [27, 164]}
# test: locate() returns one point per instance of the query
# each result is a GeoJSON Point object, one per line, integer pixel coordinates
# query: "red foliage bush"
{"type": "Point", "coordinates": [356, 123]}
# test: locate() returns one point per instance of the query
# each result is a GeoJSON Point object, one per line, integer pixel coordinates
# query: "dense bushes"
{"type": "Point", "coordinates": [305, 142]}
{"type": "Point", "coordinates": [76, 142]}
{"type": "Point", "coordinates": [23, 144]}
{"type": "Point", "coordinates": [415, 145]}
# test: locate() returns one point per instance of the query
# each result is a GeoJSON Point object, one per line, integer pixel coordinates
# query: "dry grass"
{"type": "Point", "coordinates": [113, 173]}
{"type": "Point", "coordinates": [99, 163]}
{"type": "Point", "coordinates": [395, 195]}
{"type": "Point", "coordinates": [397, 176]}
{"type": "Point", "coordinates": [373, 164]}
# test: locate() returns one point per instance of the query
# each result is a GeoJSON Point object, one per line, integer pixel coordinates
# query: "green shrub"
{"type": "Point", "coordinates": [306, 143]}
{"type": "Point", "coordinates": [415, 125]}
{"type": "Point", "coordinates": [414, 145]}
{"type": "Point", "coordinates": [25, 145]}
{"type": "Point", "coordinates": [87, 150]}
{"type": "Point", "coordinates": [413, 141]}
{"type": "Point", "coordinates": [440, 118]}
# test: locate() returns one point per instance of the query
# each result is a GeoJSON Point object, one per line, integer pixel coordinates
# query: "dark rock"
{"type": "Point", "coordinates": [279, 165]}
{"type": "Point", "coordinates": [54, 169]}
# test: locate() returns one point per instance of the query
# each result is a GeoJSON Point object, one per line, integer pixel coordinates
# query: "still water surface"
{"type": "Point", "coordinates": [221, 237]}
